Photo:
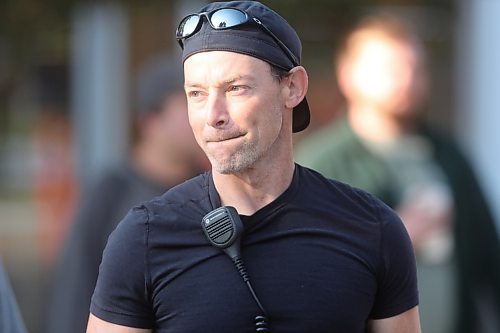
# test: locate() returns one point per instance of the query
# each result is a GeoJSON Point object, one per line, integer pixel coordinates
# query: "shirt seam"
{"type": "Point", "coordinates": [147, 271]}
{"type": "Point", "coordinates": [380, 260]}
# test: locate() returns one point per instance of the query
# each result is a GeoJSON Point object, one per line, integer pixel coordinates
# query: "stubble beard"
{"type": "Point", "coordinates": [245, 156]}
{"type": "Point", "coordinates": [242, 159]}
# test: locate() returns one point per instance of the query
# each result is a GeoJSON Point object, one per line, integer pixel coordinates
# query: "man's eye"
{"type": "Point", "coordinates": [237, 88]}
{"type": "Point", "coordinates": [194, 94]}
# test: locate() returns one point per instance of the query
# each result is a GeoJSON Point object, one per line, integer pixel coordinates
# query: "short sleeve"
{"type": "Point", "coordinates": [121, 295]}
{"type": "Point", "coordinates": [397, 276]}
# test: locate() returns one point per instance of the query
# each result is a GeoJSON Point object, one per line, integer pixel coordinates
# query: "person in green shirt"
{"type": "Point", "coordinates": [383, 146]}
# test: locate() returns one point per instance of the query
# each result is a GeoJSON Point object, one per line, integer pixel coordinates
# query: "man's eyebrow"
{"type": "Point", "coordinates": [226, 82]}
{"type": "Point", "coordinates": [239, 78]}
{"type": "Point", "coordinates": [192, 85]}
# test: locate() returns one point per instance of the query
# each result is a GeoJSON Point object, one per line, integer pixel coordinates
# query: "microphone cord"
{"type": "Point", "coordinates": [261, 321]}
{"type": "Point", "coordinates": [223, 228]}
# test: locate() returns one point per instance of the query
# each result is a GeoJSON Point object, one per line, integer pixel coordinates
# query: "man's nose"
{"type": "Point", "coordinates": [217, 112]}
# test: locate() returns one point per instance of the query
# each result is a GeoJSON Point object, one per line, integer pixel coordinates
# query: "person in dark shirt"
{"type": "Point", "coordinates": [322, 256]}
{"type": "Point", "coordinates": [164, 154]}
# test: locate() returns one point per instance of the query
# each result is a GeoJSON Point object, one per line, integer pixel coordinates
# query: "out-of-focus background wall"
{"type": "Point", "coordinates": [67, 70]}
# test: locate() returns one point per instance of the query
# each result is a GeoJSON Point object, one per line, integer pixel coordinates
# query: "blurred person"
{"type": "Point", "coordinates": [323, 256]}
{"type": "Point", "coordinates": [383, 146]}
{"type": "Point", "coordinates": [164, 154]}
{"type": "Point", "coordinates": [10, 317]}
{"type": "Point", "coordinates": [55, 185]}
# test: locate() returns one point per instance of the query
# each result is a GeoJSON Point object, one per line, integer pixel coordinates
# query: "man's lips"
{"type": "Point", "coordinates": [224, 138]}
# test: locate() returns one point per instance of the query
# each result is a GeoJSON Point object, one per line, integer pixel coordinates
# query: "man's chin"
{"type": "Point", "coordinates": [233, 163]}
{"type": "Point", "coordinates": [228, 167]}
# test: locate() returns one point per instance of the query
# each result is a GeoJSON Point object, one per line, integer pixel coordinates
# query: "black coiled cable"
{"type": "Point", "coordinates": [261, 324]}
{"type": "Point", "coordinates": [261, 321]}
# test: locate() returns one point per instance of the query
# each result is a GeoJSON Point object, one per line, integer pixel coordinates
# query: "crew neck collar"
{"type": "Point", "coordinates": [281, 200]}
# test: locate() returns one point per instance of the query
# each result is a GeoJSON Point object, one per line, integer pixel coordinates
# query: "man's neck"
{"type": "Point", "coordinates": [256, 187]}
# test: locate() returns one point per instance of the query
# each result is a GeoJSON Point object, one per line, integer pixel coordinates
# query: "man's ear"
{"type": "Point", "coordinates": [297, 83]}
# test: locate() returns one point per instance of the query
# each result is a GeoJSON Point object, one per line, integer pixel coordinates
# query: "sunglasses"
{"type": "Point", "coordinates": [225, 18]}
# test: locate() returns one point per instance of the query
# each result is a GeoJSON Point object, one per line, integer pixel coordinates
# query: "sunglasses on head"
{"type": "Point", "coordinates": [225, 18]}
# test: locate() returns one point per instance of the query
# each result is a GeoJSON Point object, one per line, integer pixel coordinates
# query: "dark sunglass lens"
{"type": "Point", "coordinates": [187, 26]}
{"type": "Point", "coordinates": [227, 17]}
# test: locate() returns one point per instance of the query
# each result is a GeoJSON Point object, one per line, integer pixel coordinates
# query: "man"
{"type": "Point", "coordinates": [164, 154]}
{"type": "Point", "coordinates": [321, 255]}
{"type": "Point", "coordinates": [383, 147]}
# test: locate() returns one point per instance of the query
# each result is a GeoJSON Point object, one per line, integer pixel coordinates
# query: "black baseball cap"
{"type": "Point", "coordinates": [252, 40]}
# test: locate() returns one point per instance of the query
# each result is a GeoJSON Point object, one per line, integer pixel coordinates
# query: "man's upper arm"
{"type": "Point", "coordinates": [96, 325]}
{"type": "Point", "coordinates": [406, 322]}
{"type": "Point", "coordinates": [121, 294]}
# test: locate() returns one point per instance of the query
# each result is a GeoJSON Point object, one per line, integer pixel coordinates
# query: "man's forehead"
{"type": "Point", "coordinates": [223, 63]}
{"type": "Point", "coordinates": [209, 56]}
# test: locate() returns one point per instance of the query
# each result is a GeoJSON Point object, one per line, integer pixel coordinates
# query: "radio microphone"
{"type": "Point", "coordinates": [223, 228]}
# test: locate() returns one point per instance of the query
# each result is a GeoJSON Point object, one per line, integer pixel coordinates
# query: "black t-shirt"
{"type": "Point", "coordinates": [322, 257]}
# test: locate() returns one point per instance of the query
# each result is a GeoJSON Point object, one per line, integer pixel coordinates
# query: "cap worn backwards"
{"type": "Point", "coordinates": [252, 40]}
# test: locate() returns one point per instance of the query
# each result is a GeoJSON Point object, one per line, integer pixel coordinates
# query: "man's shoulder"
{"type": "Point", "coordinates": [337, 193]}
{"type": "Point", "coordinates": [351, 210]}
{"type": "Point", "coordinates": [186, 199]}
{"type": "Point", "coordinates": [163, 218]}
{"type": "Point", "coordinates": [346, 201]}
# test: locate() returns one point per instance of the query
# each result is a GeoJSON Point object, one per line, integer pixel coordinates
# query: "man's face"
{"type": "Point", "coordinates": [384, 72]}
{"type": "Point", "coordinates": [235, 108]}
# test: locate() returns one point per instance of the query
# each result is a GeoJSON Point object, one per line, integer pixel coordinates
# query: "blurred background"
{"type": "Point", "coordinates": [67, 71]}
